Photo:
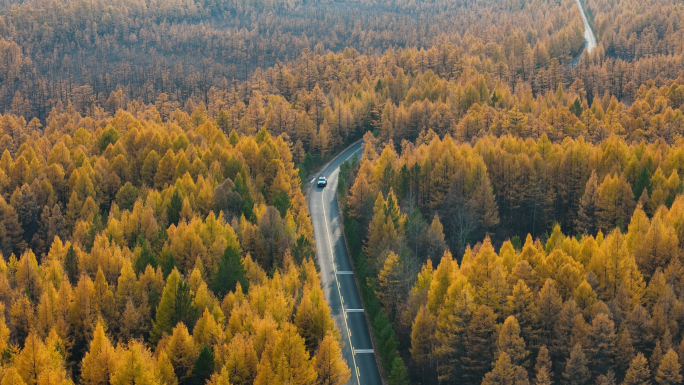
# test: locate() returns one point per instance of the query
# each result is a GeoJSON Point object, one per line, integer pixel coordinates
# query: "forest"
{"type": "Point", "coordinates": [516, 217]}
{"type": "Point", "coordinates": [150, 252]}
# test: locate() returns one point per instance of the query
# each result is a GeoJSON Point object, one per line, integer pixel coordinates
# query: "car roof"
{"type": "Point", "coordinates": [321, 177]}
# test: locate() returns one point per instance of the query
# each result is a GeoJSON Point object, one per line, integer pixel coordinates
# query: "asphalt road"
{"type": "Point", "coordinates": [588, 33]}
{"type": "Point", "coordinates": [337, 275]}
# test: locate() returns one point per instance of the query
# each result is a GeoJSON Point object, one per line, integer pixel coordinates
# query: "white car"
{"type": "Point", "coordinates": [322, 182]}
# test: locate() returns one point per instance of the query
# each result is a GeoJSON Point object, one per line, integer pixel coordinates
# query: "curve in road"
{"type": "Point", "coordinates": [337, 275]}
{"type": "Point", "coordinates": [589, 37]}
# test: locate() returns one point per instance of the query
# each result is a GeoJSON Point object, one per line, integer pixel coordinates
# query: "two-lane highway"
{"type": "Point", "coordinates": [337, 275]}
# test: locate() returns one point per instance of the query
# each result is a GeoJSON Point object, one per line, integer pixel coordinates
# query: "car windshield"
{"type": "Point", "coordinates": [321, 179]}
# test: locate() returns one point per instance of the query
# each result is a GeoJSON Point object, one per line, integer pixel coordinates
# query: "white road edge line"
{"type": "Point", "coordinates": [332, 257]}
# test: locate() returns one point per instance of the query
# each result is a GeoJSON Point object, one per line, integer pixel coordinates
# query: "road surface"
{"type": "Point", "coordinates": [589, 37]}
{"type": "Point", "coordinates": [337, 275]}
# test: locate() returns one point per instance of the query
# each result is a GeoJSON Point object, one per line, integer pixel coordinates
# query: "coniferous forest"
{"type": "Point", "coordinates": [516, 216]}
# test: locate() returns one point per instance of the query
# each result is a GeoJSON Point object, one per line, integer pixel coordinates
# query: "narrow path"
{"type": "Point", "coordinates": [337, 275]}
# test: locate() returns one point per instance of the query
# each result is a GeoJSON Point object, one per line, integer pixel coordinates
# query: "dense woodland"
{"type": "Point", "coordinates": [517, 215]}
{"type": "Point", "coordinates": [160, 253]}
{"type": "Point", "coordinates": [611, 292]}
{"type": "Point", "coordinates": [582, 166]}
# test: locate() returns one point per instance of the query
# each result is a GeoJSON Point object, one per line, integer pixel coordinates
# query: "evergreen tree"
{"type": "Point", "coordinates": [230, 271]}
{"type": "Point", "coordinates": [71, 266]}
{"type": "Point", "coordinates": [204, 366]}
{"type": "Point", "coordinates": [163, 322]}
{"type": "Point", "coordinates": [145, 257]}
{"type": "Point", "coordinates": [642, 182]}
{"type": "Point", "coordinates": [399, 374]}
{"type": "Point", "coordinates": [174, 208]}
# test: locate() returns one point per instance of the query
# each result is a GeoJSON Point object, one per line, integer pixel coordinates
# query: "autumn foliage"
{"type": "Point", "coordinates": [158, 252]}
{"type": "Point", "coordinates": [596, 301]}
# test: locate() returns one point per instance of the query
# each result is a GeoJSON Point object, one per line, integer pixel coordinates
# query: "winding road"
{"type": "Point", "coordinates": [589, 37]}
{"type": "Point", "coordinates": [337, 275]}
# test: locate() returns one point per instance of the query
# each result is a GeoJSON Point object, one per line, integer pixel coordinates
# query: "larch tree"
{"type": "Point", "coordinates": [101, 361]}
{"type": "Point", "coordinates": [273, 238]}
{"type": "Point", "coordinates": [505, 373]}
{"type": "Point", "coordinates": [624, 352]}
{"type": "Point", "coordinates": [521, 305]}
{"type": "Point", "coordinates": [220, 377]}
{"type": "Point", "coordinates": [657, 248]}
{"type": "Point", "coordinates": [543, 368]}
{"type": "Point", "coordinates": [136, 366]}
{"type": "Point", "coordinates": [638, 372]}
{"type": "Point", "coordinates": [511, 343]}
{"type": "Point", "coordinates": [549, 303]}
{"type": "Point", "coordinates": [485, 204]}
{"type": "Point", "coordinates": [488, 278]}
{"type": "Point", "coordinates": [614, 203]}
{"type": "Point", "coordinates": [82, 316]}
{"type": "Point", "coordinates": [480, 342]}
{"type": "Point", "coordinates": [451, 328]}
{"type": "Point", "coordinates": [313, 317]}
{"type": "Point", "coordinates": [423, 339]}
{"type": "Point", "coordinates": [12, 377]}
{"type": "Point", "coordinates": [164, 369]}
{"type": "Point", "coordinates": [182, 352]}
{"type": "Point", "coordinates": [384, 231]}
{"type": "Point", "coordinates": [669, 370]}
{"type": "Point", "coordinates": [241, 362]}
{"type": "Point", "coordinates": [33, 359]}
{"type": "Point", "coordinates": [602, 344]}
{"type": "Point", "coordinates": [286, 361]}
{"type": "Point", "coordinates": [175, 306]}
{"type": "Point", "coordinates": [390, 285]}
{"type": "Point", "coordinates": [576, 370]}
{"type": "Point", "coordinates": [330, 366]}
{"type": "Point", "coordinates": [103, 298]}
{"type": "Point", "coordinates": [165, 170]}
